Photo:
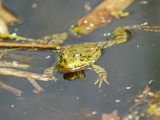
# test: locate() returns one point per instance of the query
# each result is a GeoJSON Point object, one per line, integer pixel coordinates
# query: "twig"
{"type": "Point", "coordinates": [36, 85]}
{"type": "Point", "coordinates": [25, 74]}
{"type": "Point", "coordinates": [30, 76]}
{"type": "Point", "coordinates": [29, 45]}
{"type": "Point", "coordinates": [15, 91]}
{"type": "Point", "coordinates": [13, 64]}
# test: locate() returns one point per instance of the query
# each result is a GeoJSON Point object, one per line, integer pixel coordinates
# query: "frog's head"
{"type": "Point", "coordinates": [71, 62]}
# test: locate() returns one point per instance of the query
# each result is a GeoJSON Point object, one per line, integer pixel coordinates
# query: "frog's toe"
{"type": "Point", "coordinates": [100, 81]}
{"type": "Point", "coordinates": [106, 81]}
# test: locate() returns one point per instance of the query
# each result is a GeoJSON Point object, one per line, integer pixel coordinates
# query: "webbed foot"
{"type": "Point", "coordinates": [102, 75]}
{"type": "Point", "coordinates": [120, 36]}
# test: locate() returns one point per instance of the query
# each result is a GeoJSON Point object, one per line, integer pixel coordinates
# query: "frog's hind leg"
{"type": "Point", "coordinates": [151, 28]}
{"type": "Point", "coordinates": [102, 75]}
{"type": "Point", "coordinates": [120, 35]}
{"type": "Point", "coordinates": [53, 39]}
{"type": "Point", "coordinates": [143, 27]}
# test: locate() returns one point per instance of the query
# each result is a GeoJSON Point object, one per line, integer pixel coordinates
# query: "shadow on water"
{"type": "Point", "coordinates": [129, 66]}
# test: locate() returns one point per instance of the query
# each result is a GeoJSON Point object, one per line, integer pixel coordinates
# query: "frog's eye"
{"type": "Point", "coordinates": [61, 56]}
{"type": "Point", "coordinates": [78, 55]}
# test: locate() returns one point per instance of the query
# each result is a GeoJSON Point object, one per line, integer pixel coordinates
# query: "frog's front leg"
{"type": "Point", "coordinates": [101, 73]}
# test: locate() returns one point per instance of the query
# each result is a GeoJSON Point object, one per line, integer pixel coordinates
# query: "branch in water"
{"type": "Point", "coordinates": [15, 91]}
{"type": "Point", "coordinates": [13, 64]}
{"type": "Point", "coordinates": [25, 74]}
{"type": "Point", "coordinates": [29, 45]}
{"type": "Point", "coordinates": [30, 76]}
{"type": "Point", "coordinates": [36, 85]}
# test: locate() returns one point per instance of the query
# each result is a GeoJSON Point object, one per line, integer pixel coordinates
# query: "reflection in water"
{"type": "Point", "coordinates": [74, 75]}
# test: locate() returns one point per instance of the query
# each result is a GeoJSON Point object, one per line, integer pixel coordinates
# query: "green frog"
{"type": "Point", "coordinates": [75, 58]}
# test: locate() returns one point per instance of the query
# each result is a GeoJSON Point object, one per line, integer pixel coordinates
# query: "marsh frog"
{"type": "Point", "coordinates": [75, 58]}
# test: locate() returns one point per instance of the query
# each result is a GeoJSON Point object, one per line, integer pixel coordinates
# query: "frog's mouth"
{"type": "Point", "coordinates": [70, 68]}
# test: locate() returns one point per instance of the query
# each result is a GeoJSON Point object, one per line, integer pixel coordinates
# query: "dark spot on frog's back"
{"type": "Point", "coordinates": [87, 51]}
{"type": "Point", "coordinates": [97, 56]}
{"type": "Point", "coordinates": [88, 46]}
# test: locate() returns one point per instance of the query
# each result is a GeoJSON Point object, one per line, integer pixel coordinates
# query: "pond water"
{"type": "Point", "coordinates": [129, 66]}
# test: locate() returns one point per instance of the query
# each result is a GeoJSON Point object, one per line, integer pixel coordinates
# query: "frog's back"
{"type": "Point", "coordinates": [90, 51]}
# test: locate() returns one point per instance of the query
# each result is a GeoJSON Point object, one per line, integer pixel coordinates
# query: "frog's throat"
{"type": "Point", "coordinates": [68, 70]}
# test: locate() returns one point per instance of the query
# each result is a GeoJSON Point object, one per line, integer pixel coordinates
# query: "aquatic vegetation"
{"type": "Point", "coordinates": [145, 107]}
{"type": "Point", "coordinates": [154, 104]}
